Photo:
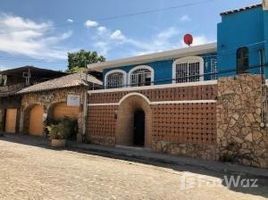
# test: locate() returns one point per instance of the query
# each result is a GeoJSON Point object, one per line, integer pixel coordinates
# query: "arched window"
{"type": "Point", "coordinates": [141, 76]}
{"type": "Point", "coordinates": [242, 60]}
{"type": "Point", "coordinates": [115, 79]}
{"type": "Point", "coordinates": [189, 69]}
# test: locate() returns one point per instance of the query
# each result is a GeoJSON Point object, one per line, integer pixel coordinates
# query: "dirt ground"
{"type": "Point", "coordinates": [31, 172]}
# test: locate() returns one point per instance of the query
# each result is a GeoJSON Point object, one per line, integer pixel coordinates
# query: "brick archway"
{"type": "Point", "coordinates": [125, 119]}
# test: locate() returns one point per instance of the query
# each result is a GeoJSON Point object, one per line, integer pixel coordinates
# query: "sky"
{"type": "Point", "coordinates": [41, 33]}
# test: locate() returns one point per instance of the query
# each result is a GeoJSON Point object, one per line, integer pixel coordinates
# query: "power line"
{"type": "Point", "coordinates": [153, 10]}
{"type": "Point", "coordinates": [145, 12]}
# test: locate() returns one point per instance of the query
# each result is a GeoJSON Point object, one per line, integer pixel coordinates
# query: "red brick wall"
{"type": "Point", "coordinates": [166, 94]}
{"type": "Point", "coordinates": [190, 124]}
{"type": "Point", "coordinates": [101, 124]}
{"type": "Point", "coordinates": [185, 123]}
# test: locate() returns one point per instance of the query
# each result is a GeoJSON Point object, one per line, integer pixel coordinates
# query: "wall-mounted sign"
{"type": "Point", "coordinates": [73, 100]}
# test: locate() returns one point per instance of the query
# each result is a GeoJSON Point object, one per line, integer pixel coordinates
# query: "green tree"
{"type": "Point", "coordinates": [79, 60]}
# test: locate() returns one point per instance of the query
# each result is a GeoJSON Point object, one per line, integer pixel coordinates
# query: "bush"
{"type": "Point", "coordinates": [62, 129]}
{"type": "Point", "coordinates": [56, 131]}
{"type": "Point", "coordinates": [70, 127]}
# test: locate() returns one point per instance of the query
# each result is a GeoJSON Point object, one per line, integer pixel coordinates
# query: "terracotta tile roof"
{"type": "Point", "coordinates": [241, 9]}
{"type": "Point", "coordinates": [72, 80]}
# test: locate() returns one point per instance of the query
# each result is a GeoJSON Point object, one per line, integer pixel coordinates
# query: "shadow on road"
{"type": "Point", "coordinates": [237, 181]}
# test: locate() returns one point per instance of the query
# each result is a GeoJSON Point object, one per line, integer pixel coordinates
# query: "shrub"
{"type": "Point", "coordinates": [56, 131]}
{"type": "Point", "coordinates": [62, 129]}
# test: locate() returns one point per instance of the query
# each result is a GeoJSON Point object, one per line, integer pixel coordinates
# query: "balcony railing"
{"type": "Point", "coordinates": [257, 69]}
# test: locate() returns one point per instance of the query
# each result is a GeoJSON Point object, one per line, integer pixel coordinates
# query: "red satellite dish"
{"type": "Point", "coordinates": [188, 39]}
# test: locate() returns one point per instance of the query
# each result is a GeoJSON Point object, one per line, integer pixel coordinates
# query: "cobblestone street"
{"type": "Point", "coordinates": [31, 172]}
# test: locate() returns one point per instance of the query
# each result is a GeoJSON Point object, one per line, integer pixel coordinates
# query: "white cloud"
{"type": "Point", "coordinates": [102, 29]}
{"type": "Point", "coordinates": [185, 18]}
{"type": "Point", "coordinates": [20, 36]}
{"type": "Point", "coordinates": [70, 20]}
{"type": "Point", "coordinates": [164, 40]}
{"type": "Point", "coordinates": [107, 41]}
{"type": "Point", "coordinates": [90, 24]}
{"type": "Point", "coordinates": [3, 68]}
{"type": "Point", "coordinates": [118, 35]}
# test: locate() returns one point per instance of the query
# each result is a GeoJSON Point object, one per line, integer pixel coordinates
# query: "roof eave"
{"type": "Point", "coordinates": [240, 9]}
{"type": "Point", "coordinates": [173, 54]}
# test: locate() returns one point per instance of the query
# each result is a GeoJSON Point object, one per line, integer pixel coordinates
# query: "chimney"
{"type": "Point", "coordinates": [265, 4]}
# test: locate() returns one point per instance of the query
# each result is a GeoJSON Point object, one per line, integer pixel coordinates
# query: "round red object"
{"type": "Point", "coordinates": [188, 39]}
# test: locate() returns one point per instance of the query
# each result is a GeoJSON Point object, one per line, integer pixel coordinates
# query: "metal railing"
{"type": "Point", "coordinates": [256, 69]}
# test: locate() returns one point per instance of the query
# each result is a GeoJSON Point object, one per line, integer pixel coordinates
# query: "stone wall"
{"type": "Point", "coordinates": [241, 136]}
{"type": "Point", "coordinates": [47, 99]}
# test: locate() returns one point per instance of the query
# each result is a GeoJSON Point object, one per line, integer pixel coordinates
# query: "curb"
{"type": "Point", "coordinates": [151, 157]}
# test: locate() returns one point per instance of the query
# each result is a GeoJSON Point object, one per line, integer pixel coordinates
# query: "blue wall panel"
{"type": "Point", "coordinates": [265, 21]}
{"type": "Point", "coordinates": [163, 69]}
{"type": "Point", "coordinates": [241, 29]}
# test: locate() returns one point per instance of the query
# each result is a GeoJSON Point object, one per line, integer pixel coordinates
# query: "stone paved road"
{"type": "Point", "coordinates": [30, 172]}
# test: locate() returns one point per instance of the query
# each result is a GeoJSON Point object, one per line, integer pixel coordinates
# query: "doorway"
{"type": "Point", "coordinates": [11, 119]}
{"type": "Point", "coordinates": [139, 128]}
{"type": "Point", "coordinates": [36, 126]}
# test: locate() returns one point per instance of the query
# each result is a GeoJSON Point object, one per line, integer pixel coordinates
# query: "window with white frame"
{"type": "Point", "coordinates": [141, 76]}
{"type": "Point", "coordinates": [115, 79]}
{"type": "Point", "coordinates": [189, 69]}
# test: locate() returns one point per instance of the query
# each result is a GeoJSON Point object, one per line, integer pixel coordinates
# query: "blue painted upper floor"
{"type": "Point", "coordinates": [245, 30]}
{"type": "Point", "coordinates": [241, 48]}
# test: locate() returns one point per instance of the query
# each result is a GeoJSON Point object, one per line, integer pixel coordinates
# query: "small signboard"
{"type": "Point", "coordinates": [73, 100]}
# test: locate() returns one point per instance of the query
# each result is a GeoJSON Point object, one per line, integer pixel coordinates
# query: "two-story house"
{"type": "Point", "coordinates": [170, 97]}
{"type": "Point", "coordinates": [12, 81]}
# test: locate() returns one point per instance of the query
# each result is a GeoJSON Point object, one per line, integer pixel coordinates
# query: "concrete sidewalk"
{"type": "Point", "coordinates": [147, 155]}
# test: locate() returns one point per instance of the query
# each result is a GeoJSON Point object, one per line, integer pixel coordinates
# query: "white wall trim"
{"type": "Point", "coordinates": [115, 71]}
{"type": "Point", "coordinates": [134, 94]}
{"type": "Point", "coordinates": [103, 104]}
{"type": "Point", "coordinates": [188, 60]}
{"type": "Point", "coordinates": [174, 85]}
{"type": "Point", "coordinates": [141, 67]}
{"type": "Point", "coordinates": [166, 55]}
{"type": "Point", "coordinates": [183, 102]}
{"type": "Point", "coordinates": [155, 102]}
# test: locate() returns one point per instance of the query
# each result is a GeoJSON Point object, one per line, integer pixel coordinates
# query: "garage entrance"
{"type": "Point", "coordinates": [36, 126]}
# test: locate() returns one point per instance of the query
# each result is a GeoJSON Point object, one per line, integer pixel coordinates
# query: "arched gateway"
{"type": "Point", "coordinates": [134, 122]}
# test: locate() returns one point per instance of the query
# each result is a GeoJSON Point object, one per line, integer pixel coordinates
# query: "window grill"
{"type": "Point", "coordinates": [115, 80]}
{"type": "Point", "coordinates": [141, 77]}
{"type": "Point", "coordinates": [188, 72]}
{"type": "Point", "coordinates": [242, 60]}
